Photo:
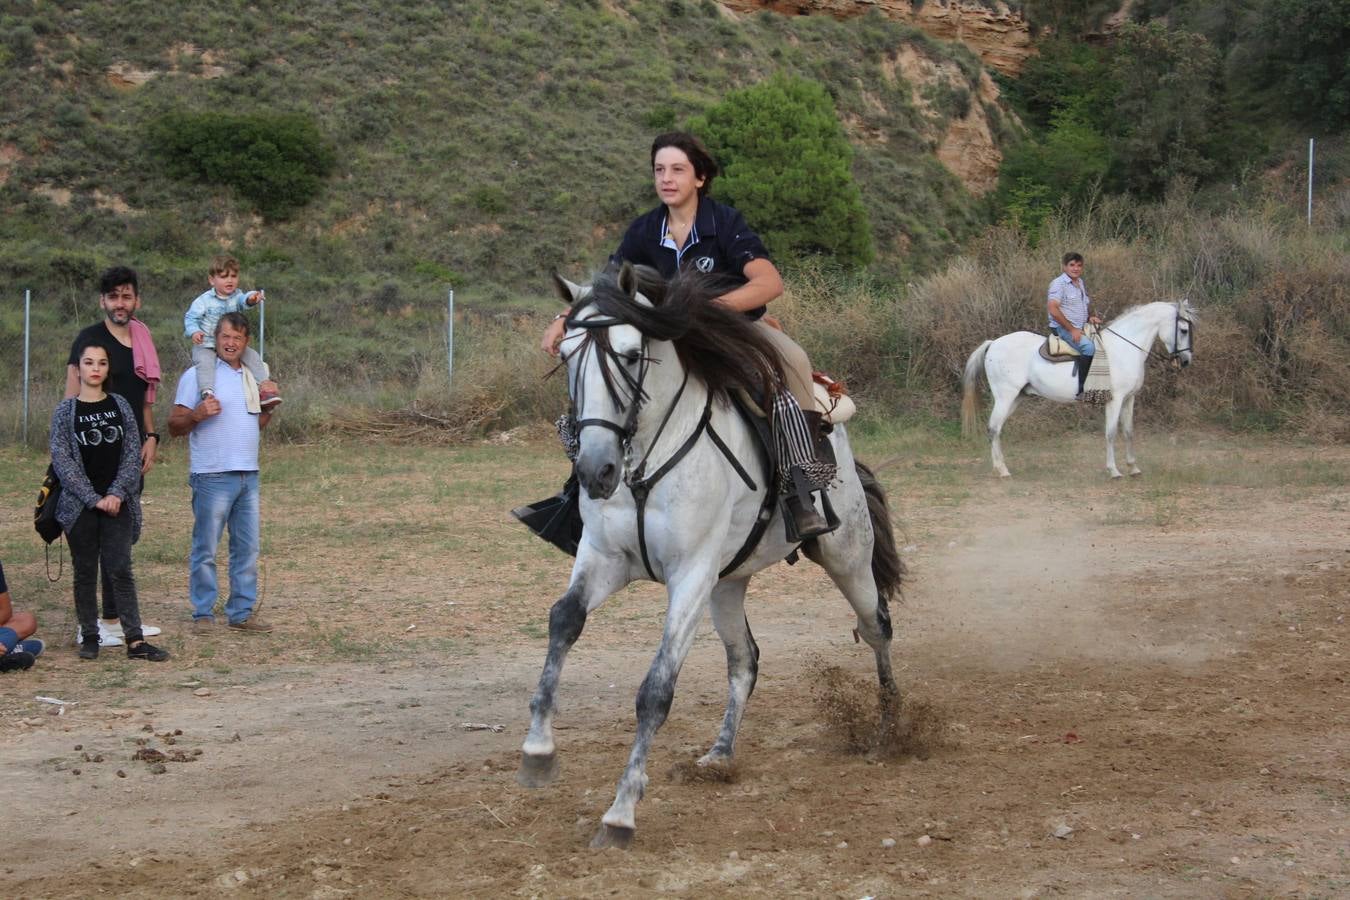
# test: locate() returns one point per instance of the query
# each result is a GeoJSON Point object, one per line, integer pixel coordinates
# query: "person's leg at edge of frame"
{"type": "Point", "coordinates": [245, 541]}
{"type": "Point", "coordinates": [211, 500]}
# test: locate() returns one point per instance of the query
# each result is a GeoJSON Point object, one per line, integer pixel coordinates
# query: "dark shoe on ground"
{"type": "Point", "coordinates": [268, 399]}
{"type": "Point", "coordinates": [17, 661]}
{"type": "Point", "coordinates": [147, 651]}
{"type": "Point", "coordinates": [204, 625]}
{"type": "Point", "coordinates": [252, 624]}
{"type": "Point", "coordinates": [89, 648]}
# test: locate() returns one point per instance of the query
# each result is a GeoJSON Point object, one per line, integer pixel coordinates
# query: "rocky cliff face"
{"type": "Point", "coordinates": [1000, 37]}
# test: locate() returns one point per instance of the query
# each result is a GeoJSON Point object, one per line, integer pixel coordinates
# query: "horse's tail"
{"type": "Point", "coordinates": [888, 569]}
{"type": "Point", "coordinates": [974, 366]}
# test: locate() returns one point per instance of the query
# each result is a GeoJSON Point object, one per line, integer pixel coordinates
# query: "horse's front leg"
{"type": "Point", "coordinates": [688, 598]}
{"type": "Point", "coordinates": [728, 615]}
{"type": "Point", "coordinates": [592, 582]}
{"type": "Point", "coordinates": [1127, 425]}
{"type": "Point", "coordinates": [1112, 419]}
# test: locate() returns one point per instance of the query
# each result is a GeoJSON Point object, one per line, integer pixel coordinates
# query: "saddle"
{"type": "Point", "coordinates": [832, 400]}
{"type": "Point", "coordinates": [1057, 350]}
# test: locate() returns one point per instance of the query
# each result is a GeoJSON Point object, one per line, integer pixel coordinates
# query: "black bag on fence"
{"type": "Point", "coordinates": [44, 514]}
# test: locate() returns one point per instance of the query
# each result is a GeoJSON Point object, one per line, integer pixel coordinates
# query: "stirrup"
{"type": "Point", "coordinates": [556, 519]}
{"type": "Point", "coordinates": [801, 522]}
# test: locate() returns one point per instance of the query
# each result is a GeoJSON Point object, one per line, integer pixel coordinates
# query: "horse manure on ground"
{"type": "Point", "coordinates": [853, 708]}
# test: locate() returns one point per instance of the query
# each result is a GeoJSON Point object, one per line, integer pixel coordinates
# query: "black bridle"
{"type": "Point", "coordinates": [596, 339]}
{"type": "Point", "coordinates": [640, 484]}
{"type": "Point", "coordinates": [1176, 350]}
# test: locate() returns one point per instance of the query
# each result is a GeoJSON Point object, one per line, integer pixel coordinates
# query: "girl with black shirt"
{"type": "Point", "coordinates": [96, 449]}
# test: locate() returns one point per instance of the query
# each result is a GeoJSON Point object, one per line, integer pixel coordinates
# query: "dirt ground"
{"type": "Point", "coordinates": [1141, 690]}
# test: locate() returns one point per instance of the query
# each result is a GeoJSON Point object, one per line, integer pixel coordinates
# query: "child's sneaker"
{"type": "Point", "coordinates": [147, 651]}
{"type": "Point", "coordinates": [34, 646]}
{"type": "Point", "coordinates": [268, 399]}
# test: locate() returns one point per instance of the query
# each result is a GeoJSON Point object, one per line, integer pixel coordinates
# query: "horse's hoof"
{"type": "Point", "coordinates": [715, 762]}
{"type": "Point", "coordinates": [613, 836]}
{"type": "Point", "coordinates": [537, 771]}
{"type": "Point", "coordinates": [1115, 475]}
{"type": "Point", "coordinates": [1136, 473]}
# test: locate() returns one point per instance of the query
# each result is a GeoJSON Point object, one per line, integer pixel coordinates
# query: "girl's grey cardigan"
{"type": "Point", "coordinates": [77, 494]}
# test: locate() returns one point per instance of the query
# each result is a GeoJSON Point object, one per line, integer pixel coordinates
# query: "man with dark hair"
{"type": "Point", "coordinates": [1067, 303]}
{"type": "Point", "coordinates": [133, 372]}
{"type": "Point", "coordinates": [223, 473]}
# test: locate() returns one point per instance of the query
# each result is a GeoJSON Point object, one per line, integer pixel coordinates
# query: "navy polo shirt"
{"type": "Point", "coordinates": [720, 243]}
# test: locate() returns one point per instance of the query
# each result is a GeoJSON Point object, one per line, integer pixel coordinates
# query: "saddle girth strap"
{"type": "Point", "coordinates": [767, 505]}
{"type": "Point", "coordinates": [641, 487]}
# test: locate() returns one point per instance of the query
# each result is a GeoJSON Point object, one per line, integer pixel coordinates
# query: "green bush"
{"type": "Point", "coordinates": [275, 161]}
{"type": "Point", "coordinates": [786, 166]}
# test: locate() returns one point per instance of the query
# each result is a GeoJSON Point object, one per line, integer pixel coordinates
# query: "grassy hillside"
{"type": "Point", "coordinates": [479, 143]}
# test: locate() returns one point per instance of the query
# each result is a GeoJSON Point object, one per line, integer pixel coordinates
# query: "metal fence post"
{"type": "Point", "coordinates": [1310, 178]}
{"type": "Point", "coordinates": [27, 304]}
{"type": "Point", "coordinates": [450, 341]}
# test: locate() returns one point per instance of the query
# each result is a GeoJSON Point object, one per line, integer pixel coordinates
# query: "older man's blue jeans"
{"type": "Point", "coordinates": [221, 499]}
{"type": "Point", "coordinates": [1083, 345]}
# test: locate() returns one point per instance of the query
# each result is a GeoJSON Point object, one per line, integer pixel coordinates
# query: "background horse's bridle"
{"type": "Point", "coordinates": [1176, 340]}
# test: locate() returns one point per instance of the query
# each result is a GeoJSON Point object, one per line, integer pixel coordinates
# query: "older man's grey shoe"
{"type": "Point", "coordinates": [253, 625]}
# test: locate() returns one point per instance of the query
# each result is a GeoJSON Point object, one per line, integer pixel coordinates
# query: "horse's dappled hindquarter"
{"type": "Point", "coordinates": [695, 521]}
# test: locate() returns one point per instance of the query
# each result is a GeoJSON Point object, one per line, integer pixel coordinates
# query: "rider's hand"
{"type": "Point", "coordinates": [198, 337]}
{"type": "Point", "coordinates": [1095, 320]}
{"type": "Point", "coordinates": [1076, 334]}
{"type": "Point", "coordinates": [553, 336]}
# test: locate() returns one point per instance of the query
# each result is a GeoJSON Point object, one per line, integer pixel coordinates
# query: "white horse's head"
{"type": "Point", "coordinates": [608, 364]}
{"type": "Point", "coordinates": [1180, 338]}
{"type": "Point", "coordinates": [635, 340]}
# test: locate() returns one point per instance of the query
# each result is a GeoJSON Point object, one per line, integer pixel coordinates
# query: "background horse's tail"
{"type": "Point", "coordinates": [888, 570]}
{"type": "Point", "coordinates": [973, 367]}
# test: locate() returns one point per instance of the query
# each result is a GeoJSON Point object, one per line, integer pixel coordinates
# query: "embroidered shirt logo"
{"type": "Point", "coordinates": [704, 264]}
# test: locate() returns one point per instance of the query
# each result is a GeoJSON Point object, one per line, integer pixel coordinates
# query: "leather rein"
{"type": "Point", "coordinates": [1176, 340]}
{"type": "Point", "coordinates": [640, 484]}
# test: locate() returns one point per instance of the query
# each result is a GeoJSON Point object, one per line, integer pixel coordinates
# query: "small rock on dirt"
{"type": "Point", "coordinates": [924, 840]}
{"type": "Point", "coordinates": [888, 843]}
{"type": "Point", "coordinates": [1062, 831]}
{"type": "Point", "coordinates": [202, 692]}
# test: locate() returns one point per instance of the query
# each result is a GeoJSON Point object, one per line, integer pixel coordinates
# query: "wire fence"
{"type": "Point", "coordinates": [37, 328]}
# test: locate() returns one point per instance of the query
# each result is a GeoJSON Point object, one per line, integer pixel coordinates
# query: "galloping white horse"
{"type": "Point", "coordinates": [649, 384]}
{"type": "Point", "coordinates": [1015, 368]}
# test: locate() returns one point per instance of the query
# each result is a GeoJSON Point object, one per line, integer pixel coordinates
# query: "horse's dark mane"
{"type": "Point", "coordinates": [720, 347]}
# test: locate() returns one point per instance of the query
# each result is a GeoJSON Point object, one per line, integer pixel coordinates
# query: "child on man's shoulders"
{"type": "Point", "coordinates": [199, 324]}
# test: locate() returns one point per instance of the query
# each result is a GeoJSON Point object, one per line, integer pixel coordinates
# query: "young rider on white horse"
{"type": "Point", "coordinates": [691, 230]}
{"type": "Point", "coordinates": [1068, 303]}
